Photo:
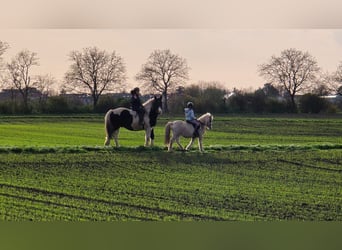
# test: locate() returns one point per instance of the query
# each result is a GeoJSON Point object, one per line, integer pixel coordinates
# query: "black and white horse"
{"type": "Point", "coordinates": [129, 119]}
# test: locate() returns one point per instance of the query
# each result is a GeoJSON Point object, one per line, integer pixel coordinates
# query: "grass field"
{"type": "Point", "coordinates": [253, 168]}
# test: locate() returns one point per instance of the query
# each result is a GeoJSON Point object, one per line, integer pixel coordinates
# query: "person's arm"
{"type": "Point", "coordinates": [135, 103]}
{"type": "Point", "coordinates": [192, 115]}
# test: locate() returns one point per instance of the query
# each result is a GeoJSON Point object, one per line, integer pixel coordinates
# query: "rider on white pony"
{"type": "Point", "coordinates": [191, 118]}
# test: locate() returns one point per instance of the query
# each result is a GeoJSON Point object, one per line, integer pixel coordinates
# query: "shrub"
{"type": "Point", "coordinates": [57, 105]}
{"type": "Point", "coordinates": [109, 102]}
{"type": "Point", "coordinates": [310, 103]}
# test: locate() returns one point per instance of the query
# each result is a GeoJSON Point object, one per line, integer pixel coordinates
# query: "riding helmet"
{"type": "Point", "coordinates": [189, 104]}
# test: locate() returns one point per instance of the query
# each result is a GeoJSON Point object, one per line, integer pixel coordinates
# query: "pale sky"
{"type": "Point", "coordinates": [171, 14]}
{"type": "Point", "coordinates": [222, 40]}
{"type": "Point", "coordinates": [228, 56]}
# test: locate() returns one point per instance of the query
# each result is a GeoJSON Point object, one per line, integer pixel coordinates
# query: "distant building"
{"type": "Point", "coordinates": [9, 94]}
{"type": "Point", "coordinates": [335, 99]}
{"type": "Point", "coordinates": [14, 94]}
{"type": "Point", "coordinates": [84, 99]}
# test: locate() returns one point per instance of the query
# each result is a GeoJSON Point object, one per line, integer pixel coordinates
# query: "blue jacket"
{"type": "Point", "coordinates": [189, 114]}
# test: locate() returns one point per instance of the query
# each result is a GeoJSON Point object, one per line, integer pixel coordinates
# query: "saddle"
{"type": "Point", "coordinates": [193, 124]}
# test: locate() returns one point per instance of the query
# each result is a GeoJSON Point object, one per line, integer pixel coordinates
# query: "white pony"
{"type": "Point", "coordinates": [185, 129]}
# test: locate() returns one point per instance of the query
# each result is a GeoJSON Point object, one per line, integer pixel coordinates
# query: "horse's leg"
{"type": "Point", "coordinates": [190, 144]}
{"type": "Point", "coordinates": [109, 131]}
{"type": "Point", "coordinates": [152, 137]}
{"type": "Point", "coordinates": [107, 141]}
{"type": "Point", "coordinates": [170, 143]}
{"type": "Point", "coordinates": [180, 145]}
{"type": "Point", "coordinates": [200, 146]}
{"type": "Point", "coordinates": [147, 136]}
{"type": "Point", "coordinates": [116, 134]}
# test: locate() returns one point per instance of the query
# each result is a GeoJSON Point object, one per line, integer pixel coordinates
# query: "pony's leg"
{"type": "Point", "coordinates": [180, 145]}
{"type": "Point", "coordinates": [190, 144]}
{"type": "Point", "coordinates": [116, 134]}
{"type": "Point", "coordinates": [170, 144]}
{"type": "Point", "coordinates": [200, 146]}
{"type": "Point", "coordinates": [147, 136]}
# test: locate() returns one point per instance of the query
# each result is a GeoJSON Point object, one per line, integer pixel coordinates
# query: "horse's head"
{"type": "Point", "coordinates": [154, 105]}
{"type": "Point", "coordinates": [157, 104]}
{"type": "Point", "coordinates": [207, 120]}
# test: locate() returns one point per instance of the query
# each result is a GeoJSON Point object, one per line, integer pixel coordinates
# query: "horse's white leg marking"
{"type": "Point", "coordinates": [147, 136]}
{"type": "Point", "coordinates": [190, 144]}
{"type": "Point", "coordinates": [107, 142]}
{"type": "Point", "coordinates": [115, 135]}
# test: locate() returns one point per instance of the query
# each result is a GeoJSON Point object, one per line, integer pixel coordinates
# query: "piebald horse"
{"type": "Point", "coordinates": [129, 119]}
{"type": "Point", "coordinates": [185, 129]}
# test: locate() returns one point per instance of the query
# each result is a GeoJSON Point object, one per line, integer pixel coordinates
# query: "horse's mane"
{"type": "Point", "coordinates": [147, 102]}
{"type": "Point", "coordinates": [203, 116]}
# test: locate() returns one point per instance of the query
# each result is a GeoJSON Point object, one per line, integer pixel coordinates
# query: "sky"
{"type": "Point", "coordinates": [222, 41]}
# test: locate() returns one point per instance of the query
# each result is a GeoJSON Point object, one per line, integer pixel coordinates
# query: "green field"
{"type": "Point", "coordinates": [253, 168]}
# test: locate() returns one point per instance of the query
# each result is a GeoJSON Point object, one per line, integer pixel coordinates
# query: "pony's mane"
{"type": "Point", "coordinates": [202, 116]}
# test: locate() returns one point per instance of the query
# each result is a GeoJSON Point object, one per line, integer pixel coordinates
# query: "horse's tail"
{"type": "Point", "coordinates": [108, 128]}
{"type": "Point", "coordinates": [167, 132]}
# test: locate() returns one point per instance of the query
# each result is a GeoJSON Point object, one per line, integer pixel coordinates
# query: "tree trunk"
{"type": "Point", "coordinates": [95, 100]}
{"type": "Point", "coordinates": [293, 104]}
{"type": "Point", "coordinates": [24, 93]}
{"type": "Point", "coordinates": [26, 105]}
{"type": "Point", "coordinates": [165, 106]}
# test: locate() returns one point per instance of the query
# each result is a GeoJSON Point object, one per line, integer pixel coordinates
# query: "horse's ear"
{"type": "Point", "coordinates": [158, 97]}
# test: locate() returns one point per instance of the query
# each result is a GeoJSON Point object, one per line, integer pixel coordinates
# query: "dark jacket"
{"type": "Point", "coordinates": [136, 103]}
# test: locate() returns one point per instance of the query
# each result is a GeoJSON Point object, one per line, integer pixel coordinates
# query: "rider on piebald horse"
{"type": "Point", "coordinates": [137, 106]}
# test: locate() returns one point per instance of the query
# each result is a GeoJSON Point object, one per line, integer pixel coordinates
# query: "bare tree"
{"type": "Point", "coordinates": [338, 79]}
{"type": "Point", "coordinates": [163, 71]}
{"type": "Point", "coordinates": [95, 71]}
{"type": "Point", "coordinates": [19, 74]}
{"type": "Point", "coordinates": [293, 71]}
{"type": "Point", "coordinates": [3, 47]}
{"type": "Point", "coordinates": [326, 84]}
{"type": "Point", "coordinates": [44, 84]}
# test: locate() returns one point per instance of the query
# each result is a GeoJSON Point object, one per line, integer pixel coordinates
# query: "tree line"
{"type": "Point", "coordinates": [295, 83]}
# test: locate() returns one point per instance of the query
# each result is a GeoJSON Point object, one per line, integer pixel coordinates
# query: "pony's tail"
{"type": "Point", "coordinates": [167, 132]}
